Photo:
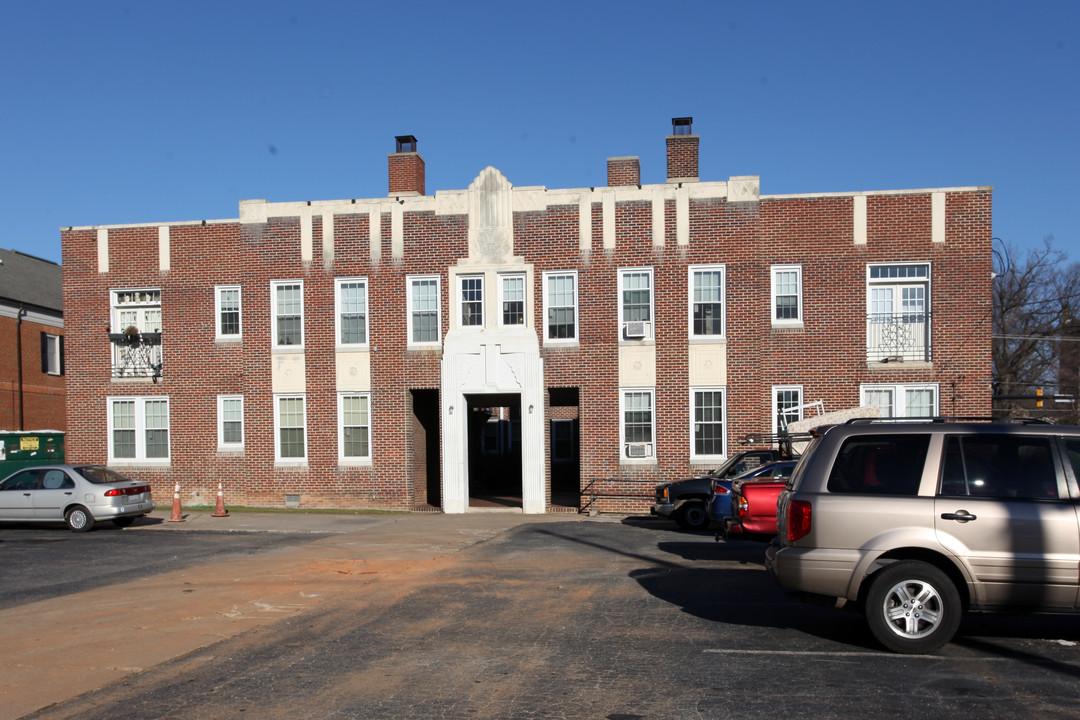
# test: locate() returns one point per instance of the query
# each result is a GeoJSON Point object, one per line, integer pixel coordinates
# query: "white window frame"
{"type": "Point", "coordinates": [624, 444]}
{"type": "Point", "coordinates": [695, 456]}
{"type": "Point", "coordinates": [692, 301]}
{"type": "Point", "coordinates": [411, 281]}
{"type": "Point", "coordinates": [923, 281]}
{"type": "Point", "coordinates": [53, 354]}
{"type": "Point", "coordinates": [503, 278]}
{"type": "Point", "coordinates": [219, 334]}
{"type": "Point", "coordinates": [549, 306]}
{"type": "Point", "coordinates": [776, 390]}
{"type": "Point", "coordinates": [339, 310]}
{"type": "Point", "coordinates": [461, 280]}
{"type": "Point", "coordinates": [147, 309]}
{"type": "Point", "coordinates": [344, 459]}
{"type": "Point", "coordinates": [774, 295]}
{"type": "Point", "coordinates": [899, 391]}
{"type": "Point", "coordinates": [650, 323]}
{"type": "Point", "coordinates": [140, 429]}
{"type": "Point", "coordinates": [274, 285]}
{"type": "Point", "coordinates": [278, 459]}
{"type": "Point", "coordinates": [223, 444]}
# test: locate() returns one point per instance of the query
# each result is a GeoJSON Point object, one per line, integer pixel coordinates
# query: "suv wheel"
{"type": "Point", "coordinates": [912, 607]}
{"type": "Point", "coordinates": [692, 516]}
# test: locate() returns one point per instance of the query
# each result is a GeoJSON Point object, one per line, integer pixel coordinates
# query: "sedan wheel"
{"type": "Point", "coordinates": [912, 607]}
{"type": "Point", "coordinates": [79, 519]}
{"type": "Point", "coordinates": [692, 516]}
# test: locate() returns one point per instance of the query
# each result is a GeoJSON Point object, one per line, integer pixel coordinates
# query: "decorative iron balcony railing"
{"type": "Point", "coordinates": [136, 355]}
{"type": "Point", "coordinates": [903, 337]}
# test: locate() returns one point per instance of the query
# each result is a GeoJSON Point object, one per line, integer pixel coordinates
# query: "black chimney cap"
{"type": "Point", "coordinates": [681, 126]}
{"type": "Point", "coordinates": [405, 143]}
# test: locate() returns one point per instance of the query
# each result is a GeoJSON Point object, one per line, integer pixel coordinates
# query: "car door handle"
{"type": "Point", "coordinates": [959, 516]}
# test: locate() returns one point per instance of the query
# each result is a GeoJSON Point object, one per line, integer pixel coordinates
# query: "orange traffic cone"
{"type": "Point", "coordinates": [220, 511]}
{"type": "Point", "coordinates": [176, 516]}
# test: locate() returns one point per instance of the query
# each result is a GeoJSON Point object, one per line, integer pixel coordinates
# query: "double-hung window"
{"type": "Point", "coordinates": [708, 415]}
{"type": "Point", "coordinates": [136, 325]}
{"type": "Point", "coordinates": [787, 405]}
{"type": "Point", "coordinates": [706, 301]}
{"type": "Point", "coordinates": [354, 427]}
{"type": "Point", "coordinates": [787, 302]}
{"type": "Point", "coordinates": [636, 303]}
{"type": "Point", "coordinates": [637, 425]}
{"type": "Point", "coordinates": [288, 309]}
{"type": "Point", "coordinates": [424, 319]}
{"type": "Point", "coordinates": [139, 430]}
{"type": "Point", "coordinates": [227, 312]}
{"type": "Point", "coordinates": [52, 354]}
{"type": "Point", "coordinates": [230, 410]}
{"type": "Point", "coordinates": [351, 311]}
{"type": "Point", "coordinates": [898, 320]}
{"type": "Point", "coordinates": [290, 429]}
{"type": "Point", "coordinates": [472, 300]}
{"type": "Point", "coordinates": [512, 299]}
{"type": "Point", "coordinates": [560, 307]}
{"type": "Point", "coordinates": [905, 400]}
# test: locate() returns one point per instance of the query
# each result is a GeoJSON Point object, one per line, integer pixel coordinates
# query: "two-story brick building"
{"type": "Point", "coordinates": [515, 345]}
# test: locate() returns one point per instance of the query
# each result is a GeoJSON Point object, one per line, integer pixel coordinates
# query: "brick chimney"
{"type": "Point", "coordinates": [406, 168]}
{"type": "Point", "coordinates": [682, 152]}
{"type": "Point", "coordinates": [622, 171]}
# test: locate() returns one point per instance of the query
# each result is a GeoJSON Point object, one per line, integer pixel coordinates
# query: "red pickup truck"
{"type": "Point", "coordinates": [753, 504]}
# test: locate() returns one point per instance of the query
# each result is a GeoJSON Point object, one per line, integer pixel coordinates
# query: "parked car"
{"type": "Point", "coordinates": [917, 523]}
{"type": "Point", "coordinates": [752, 501]}
{"type": "Point", "coordinates": [720, 499]}
{"type": "Point", "coordinates": [79, 495]}
{"type": "Point", "coordinates": [685, 500]}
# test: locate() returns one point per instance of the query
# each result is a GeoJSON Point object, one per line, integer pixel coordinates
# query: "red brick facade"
{"type": "Point", "coordinates": [825, 354]}
{"type": "Point", "coordinates": [34, 401]}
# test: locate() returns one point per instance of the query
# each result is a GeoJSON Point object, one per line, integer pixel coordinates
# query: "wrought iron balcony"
{"type": "Point", "coordinates": [903, 337]}
{"type": "Point", "coordinates": [136, 355]}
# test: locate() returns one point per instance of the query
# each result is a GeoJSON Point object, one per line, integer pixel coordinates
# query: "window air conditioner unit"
{"type": "Point", "coordinates": [635, 329]}
{"type": "Point", "coordinates": [637, 450]}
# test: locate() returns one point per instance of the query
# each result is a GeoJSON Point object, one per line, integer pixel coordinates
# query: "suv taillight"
{"type": "Point", "coordinates": [798, 520]}
{"type": "Point", "coordinates": [742, 509]}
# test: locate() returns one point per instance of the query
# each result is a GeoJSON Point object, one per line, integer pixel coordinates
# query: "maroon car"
{"type": "Point", "coordinates": [753, 505]}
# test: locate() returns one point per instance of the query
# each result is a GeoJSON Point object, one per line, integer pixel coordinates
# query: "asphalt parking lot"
{"type": "Point", "coordinates": [438, 617]}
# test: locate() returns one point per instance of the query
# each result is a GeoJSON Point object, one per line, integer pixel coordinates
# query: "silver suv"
{"type": "Point", "coordinates": [916, 523]}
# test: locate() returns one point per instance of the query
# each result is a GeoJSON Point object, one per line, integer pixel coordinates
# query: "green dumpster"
{"type": "Point", "coordinates": [28, 448]}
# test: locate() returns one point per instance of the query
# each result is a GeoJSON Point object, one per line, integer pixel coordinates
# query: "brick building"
{"type": "Point", "coordinates": [31, 343]}
{"type": "Point", "coordinates": [514, 345]}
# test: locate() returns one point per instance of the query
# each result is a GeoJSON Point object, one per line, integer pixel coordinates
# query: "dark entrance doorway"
{"type": "Point", "coordinates": [494, 440]}
{"type": "Point", "coordinates": [425, 458]}
{"type": "Point", "coordinates": [565, 445]}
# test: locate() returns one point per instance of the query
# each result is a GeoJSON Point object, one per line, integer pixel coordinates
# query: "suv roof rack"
{"type": "Point", "coordinates": [951, 419]}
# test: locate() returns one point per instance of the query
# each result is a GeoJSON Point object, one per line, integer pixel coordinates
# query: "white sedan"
{"type": "Point", "coordinates": [79, 495]}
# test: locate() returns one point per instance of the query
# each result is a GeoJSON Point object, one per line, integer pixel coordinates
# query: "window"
{"type": "Point", "coordinates": [230, 410]}
{"type": "Point", "coordinates": [637, 424]}
{"type": "Point", "coordinates": [139, 309]}
{"type": "Point", "coordinates": [898, 317]}
{"type": "Point", "coordinates": [902, 400]}
{"type": "Point", "coordinates": [787, 400]}
{"type": "Point", "coordinates": [52, 354]}
{"type": "Point", "coordinates": [706, 300]}
{"type": "Point", "coordinates": [354, 426]}
{"type": "Point", "coordinates": [472, 301]}
{"type": "Point", "coordinates": [880, 465]}
{"type": "Point", "coordinates": [425, 324]}
{"type": "Point", "coordinates": [351, 300]}
{"type": "Point", "coordinates": [512, 299]}
{"type": "Point", "coordinates": [290, 429]}
{"type": "Point", "coordinates": [787, 295]}
{"type": "Point", "coordinates": [227, 312]}
{"type": "Point", "coordinates": [707, 431]}
{"type": "Point", "coordinates": [560, 307]}
{"type": "Point", "coordinates": [564, 440]}
{"type": "Point", "coordinates": [999, 466]}
{"type": "Point", "coordinates": [288, 309]}
{"type": "Point", "coordinates": [139, 429]}
{"type": "Point", "coordinates": [636, 303]}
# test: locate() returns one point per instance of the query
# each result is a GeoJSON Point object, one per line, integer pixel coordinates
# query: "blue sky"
{"type": "Point", "coordinates": [135, 112]}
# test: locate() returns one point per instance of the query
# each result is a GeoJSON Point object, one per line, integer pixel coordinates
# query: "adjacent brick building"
{"type": "Point", "coordinates": [543, 348]}
{"type": "Point", "coordinates": [31, 343]}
